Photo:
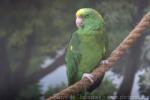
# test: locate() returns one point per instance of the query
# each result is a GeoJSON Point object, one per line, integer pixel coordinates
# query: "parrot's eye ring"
{"type": "Point", "coordinates": [87, 15]}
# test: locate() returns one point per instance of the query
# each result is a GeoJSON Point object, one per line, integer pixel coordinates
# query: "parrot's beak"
{"type": "Point", "coordinates": [78, 21]}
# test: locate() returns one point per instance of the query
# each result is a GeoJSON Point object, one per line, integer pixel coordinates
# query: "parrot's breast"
{"type": "Point", "coordinates": [91, 53]}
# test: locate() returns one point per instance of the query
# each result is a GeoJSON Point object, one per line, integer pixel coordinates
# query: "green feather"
{"type": "Point", "coordinates": [72, 58]}
{"type": "Point", "coordinates": [87, 47]}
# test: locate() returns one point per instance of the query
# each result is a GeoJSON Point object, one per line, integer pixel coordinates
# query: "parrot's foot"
{"type": "Point", "coordinates": [104, 62]}
{"type": "Point", "coordinates": [88, 76]}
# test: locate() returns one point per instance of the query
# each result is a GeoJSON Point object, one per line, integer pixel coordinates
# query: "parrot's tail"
{"type": "Point", "coordinates": [83, 95]}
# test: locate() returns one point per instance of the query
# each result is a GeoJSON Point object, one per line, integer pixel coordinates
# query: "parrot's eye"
{"type": "Point", "coordinates": [87, 15]}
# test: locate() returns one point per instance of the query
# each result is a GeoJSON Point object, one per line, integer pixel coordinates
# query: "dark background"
{"type": "Point", "coordinates": [33, 30]}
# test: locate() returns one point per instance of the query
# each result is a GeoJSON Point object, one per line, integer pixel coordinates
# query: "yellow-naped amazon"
{"type": "Point", "coordinates": [87, 47]}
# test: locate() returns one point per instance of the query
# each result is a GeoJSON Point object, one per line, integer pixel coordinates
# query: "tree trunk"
{"type": "Point", "coordinates": [4, 70]}
{"type": "Point", "coordinates": [130, 70]}
{"type": "Point", "coordinates": [133, 56]}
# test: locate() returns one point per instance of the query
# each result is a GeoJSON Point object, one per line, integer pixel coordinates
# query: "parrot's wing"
{"type": "Point", "coordinates": [72, 58]}
{"type": "Point", "coordinates": [105, 44]}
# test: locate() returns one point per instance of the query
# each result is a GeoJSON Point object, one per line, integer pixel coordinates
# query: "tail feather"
{"type": "Point", "coordinates": [84, 93]}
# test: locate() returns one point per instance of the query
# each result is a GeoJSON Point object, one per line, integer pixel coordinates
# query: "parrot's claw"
{"type": "Point", "coordinates": [104, 62]}
{"type": "Point", "coordinates": [88, 76]}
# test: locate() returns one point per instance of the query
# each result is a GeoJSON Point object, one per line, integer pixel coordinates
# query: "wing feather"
{"type": "Point", "coordinates": [72, 58]}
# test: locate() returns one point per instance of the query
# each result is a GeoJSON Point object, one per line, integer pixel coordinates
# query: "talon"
{"type": "Point", "coordinates": [104, 62]}
{"type": "Point", "coordinates": [88, 76]}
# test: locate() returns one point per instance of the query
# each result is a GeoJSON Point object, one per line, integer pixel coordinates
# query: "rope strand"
{"type": "Point", "coordinates": [112, 59]}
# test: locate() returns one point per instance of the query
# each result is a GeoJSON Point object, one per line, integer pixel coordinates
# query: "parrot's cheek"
{"type": "Point", "coordinates": [78, 21]}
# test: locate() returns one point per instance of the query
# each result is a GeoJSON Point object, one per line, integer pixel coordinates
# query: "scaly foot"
{"type": "Point", "coordinates": [88, 76]}
{"type": "Point", "coordinates": [104, 62]}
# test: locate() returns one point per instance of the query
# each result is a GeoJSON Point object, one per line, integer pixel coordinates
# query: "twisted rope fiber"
{"type": "Point", "coordinates": [112, 59]}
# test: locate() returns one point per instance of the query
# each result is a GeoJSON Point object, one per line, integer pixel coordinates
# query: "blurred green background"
{"type": "Point", "coordinates": [33, 36]}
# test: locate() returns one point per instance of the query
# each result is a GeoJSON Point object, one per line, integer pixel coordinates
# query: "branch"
{"type": "Point", "coordinates": [35, 77]}
{"type": "Point", "coordinates": [145, 58]}
{"type": "Point", "coordinates": [24, 64]}
{"type": "Point", "coordinates": [113, 58]}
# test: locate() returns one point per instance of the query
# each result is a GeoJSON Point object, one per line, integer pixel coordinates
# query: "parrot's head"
{"type": "Point", "coordinates": [88, 17]}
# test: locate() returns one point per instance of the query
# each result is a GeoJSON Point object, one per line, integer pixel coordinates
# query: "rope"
{"type": "Point", "coordinates": [112, 59]}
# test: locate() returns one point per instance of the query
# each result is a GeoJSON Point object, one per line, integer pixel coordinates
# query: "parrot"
{"type": "Point", "coordinates": [87, 47]}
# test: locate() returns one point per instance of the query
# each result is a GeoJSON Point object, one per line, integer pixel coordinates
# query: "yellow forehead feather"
{"type": "Point", "coordinates": [79, 12]}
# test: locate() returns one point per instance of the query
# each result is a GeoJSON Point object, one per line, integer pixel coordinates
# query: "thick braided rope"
{"type": "Point", "coordinates": [113, 58]}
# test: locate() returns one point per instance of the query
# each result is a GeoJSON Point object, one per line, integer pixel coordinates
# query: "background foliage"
{"type": "Point", "coordinates": [32, 30]}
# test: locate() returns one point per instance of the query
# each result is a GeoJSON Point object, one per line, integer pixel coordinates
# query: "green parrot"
{"type": "Point", "coordinates": [87, 47]}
